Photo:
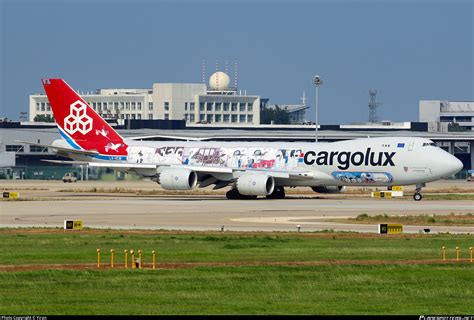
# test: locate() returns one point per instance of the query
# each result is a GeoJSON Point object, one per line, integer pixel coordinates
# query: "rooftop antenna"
{"type": "Point", "coordinates": [227, 67]}
{"type": "Point", "coordinates": [235, 75]}
{"type": "Point", "coordinates": [303, 98]}
{"type": "Point", "coordinates": [203, 71]}
{"type": "Point", "coordinates": [373, 105]}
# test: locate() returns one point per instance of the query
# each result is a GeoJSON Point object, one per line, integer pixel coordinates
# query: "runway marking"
{"type": "Point", "coordinates": [303, 221]}
{"type": "Point", "coordinates": [289, 220]}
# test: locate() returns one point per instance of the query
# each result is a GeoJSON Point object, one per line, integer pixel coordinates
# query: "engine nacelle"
{"type": "Point", "coordinates": [329, 189]}
{"type": "Point", "coordinates": [178, 179]}
{"type": "Point", "coordinates": [255, 184]}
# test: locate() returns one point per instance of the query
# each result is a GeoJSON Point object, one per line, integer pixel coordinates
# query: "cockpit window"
{"type": "Point", "coordinates": [425, 144]}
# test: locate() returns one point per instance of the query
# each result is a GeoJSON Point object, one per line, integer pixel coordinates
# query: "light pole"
{"type": "Point", "coordinates": [317, 82]}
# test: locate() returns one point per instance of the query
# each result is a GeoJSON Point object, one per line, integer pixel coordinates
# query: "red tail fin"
{"type": "Point", "coordinates": [79, 124]}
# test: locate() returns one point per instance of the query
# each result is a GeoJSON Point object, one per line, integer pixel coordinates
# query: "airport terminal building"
{"type": "Point", "coordinates": [440, 113]}
{"type": "Point", "coordinates": [192, 102]}
{"type": "Point", "coordinates": [296, 112]}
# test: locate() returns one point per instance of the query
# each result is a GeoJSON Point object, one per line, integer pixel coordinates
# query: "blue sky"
{"type": "Point", "coordinates": [407, 50]}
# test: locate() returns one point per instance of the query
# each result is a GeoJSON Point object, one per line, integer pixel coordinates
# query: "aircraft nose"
{"type": "Point", "coordinates": [458, 165]}
{"type": "Point", "coordinates": [452, 164]}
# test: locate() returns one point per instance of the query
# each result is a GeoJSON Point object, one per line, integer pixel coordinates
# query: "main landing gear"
{"type": "Point", "coordinates": [417, 196]}
{"type": "Point", "coordinates": [278, 193]}
{"type": "Point", "coordinates": [234, 194]}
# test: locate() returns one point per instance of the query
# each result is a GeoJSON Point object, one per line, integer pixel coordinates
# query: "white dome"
{"type": "Point", "coordinates": [219, 81]}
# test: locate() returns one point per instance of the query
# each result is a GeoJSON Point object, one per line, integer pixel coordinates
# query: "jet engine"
{"type": "Point", "coordinates": [255, 184]}
{"type": "Point", "coordinates": [329, 189]}
{"type": "Point", "coordinates": [178, 179]}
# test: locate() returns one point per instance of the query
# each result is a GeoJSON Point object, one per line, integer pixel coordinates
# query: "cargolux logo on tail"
{"type": "Point", "coordinates": [78, 120]}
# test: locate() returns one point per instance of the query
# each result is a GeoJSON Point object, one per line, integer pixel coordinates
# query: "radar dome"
{"type": "Point", "coordinates": [219, 81]}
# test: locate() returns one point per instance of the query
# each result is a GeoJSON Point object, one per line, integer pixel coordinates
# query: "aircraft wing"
{"type": "Point", "coordinates": [288, 174]}
{"type": "Point", "coordinates": [205, 169]}
{"type": "Point", "coordinates": [273, 173]}
{"type": "Point", "coordinates": [281, 174]}
{"type": "Point", "coordinates": [125, 166]}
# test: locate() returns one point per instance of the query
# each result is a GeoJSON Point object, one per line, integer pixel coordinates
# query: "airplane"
{"type": "Point", "coordinates": [251, 169]}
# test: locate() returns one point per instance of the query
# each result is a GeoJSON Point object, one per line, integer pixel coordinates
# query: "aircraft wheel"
{"type": "Point", "coordinates": [278, 193]}
{"type": "Point", "coordinates": [417, 196]}
{"type": "Point", "coordinates": [234, 194]}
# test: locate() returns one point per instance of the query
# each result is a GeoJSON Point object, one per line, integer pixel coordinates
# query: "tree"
{"type": "Point", "coordinates": [277, 115]}
{"type": "Point", "coordinates": [43, 118]}
{"type": "Point", "coordinates": [455, 127]}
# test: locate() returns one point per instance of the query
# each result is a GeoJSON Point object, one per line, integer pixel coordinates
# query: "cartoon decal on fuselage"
{"type": "Point", "coordinates": [254, 158]}
{"type": "Point", "coordinates": [363, 177]}
{"type": "Point", "coordinates": [251, 158]}
{"type": "Point", "coordinates": [246, 158]}
{"type": "Point", "coordinates": [171, 155]}
{"type": "Point", "coordinates": [164, 155]}
{"type": "Point", "coordinates": [207, 157]}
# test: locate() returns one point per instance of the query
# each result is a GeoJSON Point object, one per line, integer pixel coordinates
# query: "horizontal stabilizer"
{"type": "Point", "coordinates": [65, 162]}
{"type": "Point", "coordinates": [112, 165]}
{"type": "Point", "coordinates": [76, 151]}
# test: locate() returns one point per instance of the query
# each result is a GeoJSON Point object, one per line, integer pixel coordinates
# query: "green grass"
{"type": "Point", "coordinates": [425, 219]}
{"type": "Point", "coordinates": [437, 289]}
{"type": "Point", "coordinates": [451, 196]}
{"type": "Point", "coordinates": [335, 289]}
{"type": "Point", "coordinates": [80, 247]}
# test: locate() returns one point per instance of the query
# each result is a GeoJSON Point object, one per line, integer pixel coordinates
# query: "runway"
{"type": "Point", "coordinates": [213, 212]}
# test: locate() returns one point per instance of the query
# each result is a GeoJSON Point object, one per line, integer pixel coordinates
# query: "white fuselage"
{"type": "Point", "coordinates": [368, 161]}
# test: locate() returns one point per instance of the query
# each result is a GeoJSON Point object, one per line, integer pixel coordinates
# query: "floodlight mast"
{"type": "Point", "coordinates": [317, 82]}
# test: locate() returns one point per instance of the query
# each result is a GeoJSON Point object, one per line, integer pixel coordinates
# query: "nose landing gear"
{"type": "Point", "coordinates": [417, 196]}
